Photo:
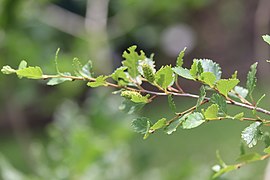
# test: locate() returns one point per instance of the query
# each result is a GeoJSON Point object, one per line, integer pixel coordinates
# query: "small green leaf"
{"type": "Point", "coordinates": [183, 72]}
{"type": "Point", "coordinates": [224, 86]}
{"type": "Point", "coordinates": [243, 92]}
{"type": "Point", "coordinates": [220, 160]}
{"type": "Point", "coordinates": [208, 78]}
{"type": "Point", "coordinates": [266, 38]}
{"type": "Point", "coordinates": [130, 107]}
{"type": "Point", "coordinates": [211, 112]}
{"type": "Point", "coordinates": [120, 76]}
{"type": "Point", "coordinates": [22, 65]}
{"type": "Point", "coordinates": [100, 81]}
{"type": "Point", "coordinates": [158, 125]}
{"type": "Point", "coordinates": [251, 134]}
{"type": "Point", "coordinates": [257, 104]}
{"type": "Point", "coordinates": [55, 81]}
{"type": "Point", "coordinates": [201, 96]}
{"type": "Point", "coordinates": [8, 70]}
{"type": "Point", "coordinates": [239, 116]}
{"type": "Point", "coordinates": [147, 69]}
{"type": "Point", "coordinates": [179, 61]}
{"type": "Point", "coordinates": [171, 103]}
{"type": "Point", "coordinates": [220, 101]}
{"type": "Point", "coordinates": [267, 150]}
{"type": "Point", "coordinates": [86, 70]}
{"type": "Point", "coordinates": [30, 72]}
{"type": "Point", "coordinates": [196, 69]}
{"type": "Point", "coordinates": [141, 125]}
{"type": "Point", "coordinates": [135, 96]}
{"type": "Point", "coordinates": [210, 66]}
{"type": "Point", "coordinates": [247, 158]}
{"type": "Point", "coordinates": [56, 60]}
{"type": "Point", "coordinates": [131, 60]}
{"type": "Point", "coordinates": [193, 120]}
{"type": "Point", "coordinates": [164, 77]}
{"type": "Point", "coordinates": [175, 124]}
{"type": "Point", "coordinates": [147, 130]}
{"type": "Point", "coordinates": [251, 78]}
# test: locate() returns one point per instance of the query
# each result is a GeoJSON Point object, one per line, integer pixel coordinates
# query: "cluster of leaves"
{"type": "Point", "coordinates": [137, 69]}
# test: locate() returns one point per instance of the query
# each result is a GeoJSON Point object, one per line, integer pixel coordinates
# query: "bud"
{"type": "Point", "coordinates": [8, 70]}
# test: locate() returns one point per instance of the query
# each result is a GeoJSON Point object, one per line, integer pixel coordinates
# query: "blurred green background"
{"type": "Point", "coordinates": [73, 132]}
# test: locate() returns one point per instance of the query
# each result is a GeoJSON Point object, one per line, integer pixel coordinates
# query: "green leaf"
{"type": "Point", "coordinates": [247, 158]}
{"type": "Point", "coordinates": [135, 96]}
{"type": "Point", "coordinates": [147, 130]}
{"type": "Point", "coordinates": [100, 81]}
{"type": "Point", "coordinates": [251, 78]}
{"type": "Point", "coordinates": [120, 76]}
{"type": "Point", "coordinates": [193, 120]}
{"type": "Point", "coordinates": [224, 170]}
{"type": "Point", "coordinates": [251, 134]}
{"type": "Point", "coordinates": [171, 103]}
{"type": "Point", "coordinates": [210, 66]}
{"type": "Point", "coordinates": [30, 72]}
{"type": "Point", "coordinates": [183, 72]}
{"type": "Point", "coordinates": [84, 71]}
{"type": "Point", "coordinates": [56, 60]}
{"type": "Point", "coordinates": [257, 104]}
{"type": "Point", "coordinates": [266, 38]}
{"type": "Point", "coordinates": [211, 112]}
{"type": "Point", "coordinates": [55, 81]}
{"type": "Point", "coordinates": [267, 150]}
{"type": "Point", "coordinates": [131, 60]}
{"type": "Point", "coordinates": [8, 70]}
{"type": "Point", "coordinates": [179, 61]}
{"type": "Point", "coordinates": [130, 107]}
{"type": "Point", "coordinates": [220, 101]}
{"type": "Point", "coordinates": [208, 78]}
{"type": "Point", "coordinates": [201, 96]}
{"type": "Point", "coordinates": [141, 125]}
{"type": "Point", "coordinates": [175, 124]}
{"type": "Point", "coordinates": [164, 77]}
{"type": "Point", "coordinates": [239, 116]}
{"type": "Point", "coordinates": [22, 65]}
{"type": "Point", "coordinates": [224, 86]}
{"type": "Point", "coordinates": [196, 69]}
{"type": "Point", "coordinates": [266, 139]}
{"type": "Point", "coordinates": [158, 125]}
{"type": "Point", "coordinates": [220, 160]}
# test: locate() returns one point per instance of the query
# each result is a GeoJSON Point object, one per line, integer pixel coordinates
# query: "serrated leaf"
{"type": "Point", "coordinates": [183, 72]}
{"type": "Point", "coordinates": [8, 70]}
{"type": "Point", "coordinates": [120, 76]}
{"type": "Point", "coordinates": [140, 125]}
{"type": "Point", "coordinates": [175, 124]}
{"type": "Point", "coordinates": [159, 124]}
{"type": "Point", "coordinates": [22, 65]}
{"type": "Point", "coordinates": [224, 86]}
{"type": "Point", "coordinates": [130, 107]}
{"type": "Point", "coordinates": [220, 101]}
{"type": "Point", "coordinates": [30, 72]}
{"type": "Point", "coordinates": [147, 130]}
{"type": "Point", "coordinates": [239, 116]}
{"type": "Point", "coordinates": [164, 77]}
{"type": "Point", "coordinates": [55, 81]}
{"type": "Point", "coordinates": [84, 71]}
{"type": "Point", "coordinates": [247, 158]}
{"type": "Point", "coordinates": [208, 78]}
{"type": "Point", "coordinates": [251, 78]}
{"type": "Point", "coordinates": [201, 96]}
{"type": "Point", "coordinates": [211, 112]}
{"type": "Point", "coordinates": [210, 66]}
{"type": "Point", "coordinates": [224, 170]}
{"type": "Point", "coordinates": [100, 81]}
{"type": "Point", "coordinates": [266, 38]}
{"type": "Point", "coordinates": [171, 103]}
{"type": "Point", "coordinates": [251, 134]}
{"type": "Point", "coordinates": [131, 60]}
{"type": "Point", "coordinates": [193, 120]}
{"type": "Point", "coordinates": [196, 69]}
{"type": "Point", "coordinates": [135, 96]}
{"type": "Point", "coordinates": [179, 61]}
